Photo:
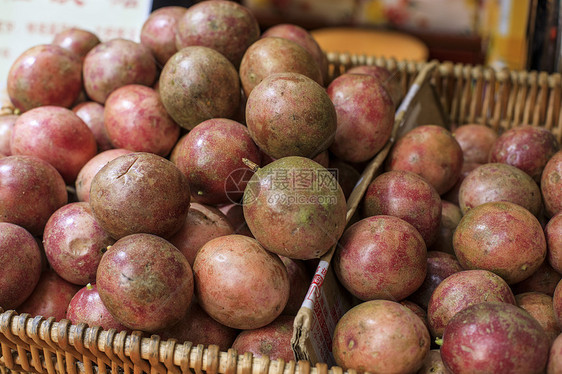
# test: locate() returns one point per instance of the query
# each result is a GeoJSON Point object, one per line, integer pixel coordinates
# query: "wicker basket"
{"type": "Point", "coordinates": [478, 94]}
{"type": "Point", "coordinates": [468, 94]}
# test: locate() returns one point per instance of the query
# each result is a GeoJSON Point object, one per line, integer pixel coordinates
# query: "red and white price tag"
{"type": "Point", "coordinates": [26, 23]}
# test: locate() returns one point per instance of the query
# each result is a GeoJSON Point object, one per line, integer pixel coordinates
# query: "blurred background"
{"type": "Point", "coordinates": [517, 34]}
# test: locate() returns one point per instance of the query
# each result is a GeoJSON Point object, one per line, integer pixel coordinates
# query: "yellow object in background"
{"type": "Point", "coordinates": [504, 27]}
{"type": "Point", "coordinates": [364, 41]}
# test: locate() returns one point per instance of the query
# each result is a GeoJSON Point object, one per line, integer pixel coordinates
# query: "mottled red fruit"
{"type": "Point", "coordinates": [82, 98]}
{"type": "Point", "coordinates": [225, 26]}
{"type": "Point", "coordinates": [554, 365]}
{"type": "Point", "coordinates": [135, 119]}
{"type": "Point", "coordinates": [234, 274]}
{"type": "Point", "coordinates": [56, 135]}
{"type": "Point", "coordinates": [90, 169]}
{"type": "Point", "coordinates": [140, 193]}
{"type": "Point", "coordinates": [450, 217]}
{"type": "Point", "coordinates": [76, 40]}
{"type": "Point", "coordinates": [453, 194]}
{"type": "Point", "coordinates": [158, 32]}
{"type": "Point", "coordinates": [299, 280]}
{"type": "Point", "coordinates": [499, 182]}
{"type": "Point", "coordinates": [433, 364]}
{"type": "Point", "coordinates": [544, 280]}
{"type": "Point", "coordinates": [198, 83]}
{"type": "Point", "coordinates": [271, 55]}
{"type": "Point", "coordinates": [20, 257]}
{"type": "Point", "coordinates": [203, 223]}
{"type": "Point", "coordinates": [557, 303]}
{"type": "Point", "coordinates": [234, 213]}
{"type": "Point", "coordinates": [391, 80]}
{"type": "Point", "coordinates": [460, 290]}
{"type": "Point", "coordinates": [295, 207]}
{"type": "Point", "coordinates": [438, 268]}
{"type": "Point", "coordinates": [418, 310]}
{"type": "Point", "coordinates": [44, 75]}
{"type": "Point", "coordinates": [145, 282]}
{"type": "Point", "coordinates": [540, 306]}
{"type": "Point", "coordinates": [439, 254]}
{"type": "Point", "coordinates": [399, 338]}
{"type": "Point", "coordinates": [304, 38]}
{"type": "Point", "coordinates": [30, 191]}
{"type": "Point", "coordinates": [347, 175]}
{"type": "Point", "coordinates": [551, 185]}
{"type": "Point", "coordinates": [92, 114]}
{"type": "Point", "coordinates": [381, 257]}
{"type": "Point", "coordinates": [288, 114]}
{"type": "Point", "coordinates": [115, 63]}
{"type": "Point", "coordinates": [210, 156]}
{"type": "Point", "coordinates": [553, 233]}
{"type": "Point", "coordinates": [475, 141]}
{"type": "Point", "coordinates": [74, 243]}
{"type": "Point", "coordinates": [323, 158]}
{"type": "Point", "coordinates": [273, 340]}
{"type": "Point", "coordinates": [6, 125]}
{"type": "Point", "coordinates": [198, 326]}
{"type": "Point", "coordinates": [494, 338]}
{"type": "Point", "coordinates": [526, 147]}
{"type": "Point", "coordinates": [50, 298]}
{"type": "Point", "coordinates": [86, 307]}
{"type": "Point", "coordinates": [408, 196]}
{"type": "Point", "coordinates": [502, 237]}
{"type": "Point", "coordinates": [430, 151]}
{"type": "Point", "coordinates": [365, 114]}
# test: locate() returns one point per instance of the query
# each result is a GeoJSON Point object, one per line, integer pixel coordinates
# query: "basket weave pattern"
{"type": "Point", "coordinates": [36, 344]}
{"type": "Point", "coordinates": [477, 94]}
{"type": "Point", "coordinates": [468, 94]}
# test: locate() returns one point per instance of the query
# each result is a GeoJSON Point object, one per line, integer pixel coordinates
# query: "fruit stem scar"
{"type": "Point", "coordinates": [252, 165]}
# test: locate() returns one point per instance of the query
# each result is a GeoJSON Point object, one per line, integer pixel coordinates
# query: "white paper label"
{"type": "Point", "coordinates": [314, 288]}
